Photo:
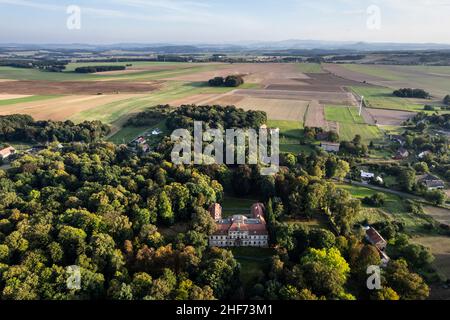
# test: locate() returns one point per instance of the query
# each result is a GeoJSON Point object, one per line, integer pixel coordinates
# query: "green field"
{"type": "Point", "coordinates": [352, 124]}
{"type": "Point", "coordinates": [290, 135]}
{"type": "Point", "coordinates": [34, 74]}
{"type": "Point", "coordinates": [382, 98]}
{"type": "Point", "coordinates": [26, 99]}
{"type": "Point", "coordinates": [310, 68]}
{"type": "Point", "coordinates": [343, 114]}
{"type": "Point", "coordinates": [375, 70]}
{"type": "Point", "coordinates": [434, 79]}
{"type": "Point", "coordinates": [171, 90]}
{"type": "Point", "coordinates": [145, 75]}
{"type": "Point", "coordinates": [368, 133]}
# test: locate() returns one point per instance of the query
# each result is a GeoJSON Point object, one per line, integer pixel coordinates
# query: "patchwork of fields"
{"type": "Point", "coordinates": [304, 94]}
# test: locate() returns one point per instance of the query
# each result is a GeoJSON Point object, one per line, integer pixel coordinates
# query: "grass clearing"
{"type": "Point", "coordinates": [394, 208]}
{"type": "Point", "coordinates": [290, 135]}
{"type": "Point", "coordinates": [128, 134]}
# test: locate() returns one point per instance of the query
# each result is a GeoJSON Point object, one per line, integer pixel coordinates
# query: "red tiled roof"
{"type": "Point", "coordinates": [7, 151]}
{"type": "Point", "coordinates": [374, 237]}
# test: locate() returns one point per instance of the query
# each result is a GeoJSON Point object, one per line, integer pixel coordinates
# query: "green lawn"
{"type": "Point", "coordinates": [310, 67]}
{"type": "Point", "coordinates": [351, 124]}
{"type": "Point", "coordinates": [393, 209]}
{"type": "Point", "coordinates": [234, 205]}
{"type": "Point", "coordinates": [26, 99]}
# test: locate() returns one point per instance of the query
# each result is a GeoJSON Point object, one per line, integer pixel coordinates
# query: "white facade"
{"type": "Point", "coordinates": [238, 240]}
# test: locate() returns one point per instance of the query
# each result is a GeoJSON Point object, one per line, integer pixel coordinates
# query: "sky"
{"type": "Point", "coordinates": [223, 21]}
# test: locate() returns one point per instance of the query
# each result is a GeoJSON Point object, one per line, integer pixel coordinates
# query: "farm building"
{"type": "Point", "coordinates": [7, 152]}
{"type": "Point", "coordinates": [432, 182]}
{"type": "Point", "coordinates": [330, 146]}
{"type": "Point", "coordinates": [375, 238]}
{"type": "Point", "coordinates": [239, 230]}
{"type": "Point", "coordinates": [402, 153]}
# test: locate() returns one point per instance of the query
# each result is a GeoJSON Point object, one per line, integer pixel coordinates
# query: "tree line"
{"type": "Point", "coordinates": [95, 69]}
{"type": "Point", "coordinates": [23, 128]}
{"type": "Point", "coordinates": [412, 93]}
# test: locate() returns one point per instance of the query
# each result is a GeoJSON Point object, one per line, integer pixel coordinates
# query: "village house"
{"type": "Point", "coordinates": [432, 182]}
{"type": "Point", "coordinates": [402, 153]}
{"type": "Point", "coordinates": [7, 152]}
{"type": "Point", "coordinates": [367, 175]}
{"type": "Point", "coordinates": [330, 146]}
{"type": "Point", "coordinates": [239, 230]}
{"type": "Point", "coordinates": [375, 239]}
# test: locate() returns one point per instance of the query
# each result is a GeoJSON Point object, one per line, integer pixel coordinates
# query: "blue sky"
{"type": "Point", "coordinates": [223, 21]}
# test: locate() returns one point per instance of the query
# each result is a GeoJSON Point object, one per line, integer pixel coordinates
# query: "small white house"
{"type": "Point", "coordinates": [156, 132]}
{"type": "Point", "coordinates": [424, 154]}
{"type": "Point", "coordinates": [367, 175]}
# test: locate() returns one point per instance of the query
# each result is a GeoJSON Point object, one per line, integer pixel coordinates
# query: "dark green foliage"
{"type": "Point", "coordinates": [215, 116]}
{"type": "Point", "coordinates": [24, 129]}
{"type": "Point", "coordinates": [412, 93]}
{"type": "Point", "coordinates": [149, 117]}
{"type": "Point", "coordinates": [230, 81]}
{"type": "Point", "coordinates": [95, 69]}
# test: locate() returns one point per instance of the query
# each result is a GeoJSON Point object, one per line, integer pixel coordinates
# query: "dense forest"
{"type": "Point", "coordinates": [137, 226]}
{"type": "Point", "coordinates": [23, 128]}
{"type": "Point", "coordinates": [215, 116]}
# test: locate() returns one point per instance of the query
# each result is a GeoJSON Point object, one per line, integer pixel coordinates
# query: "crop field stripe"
{"type": "Point", "coordinates": [26, 99]}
